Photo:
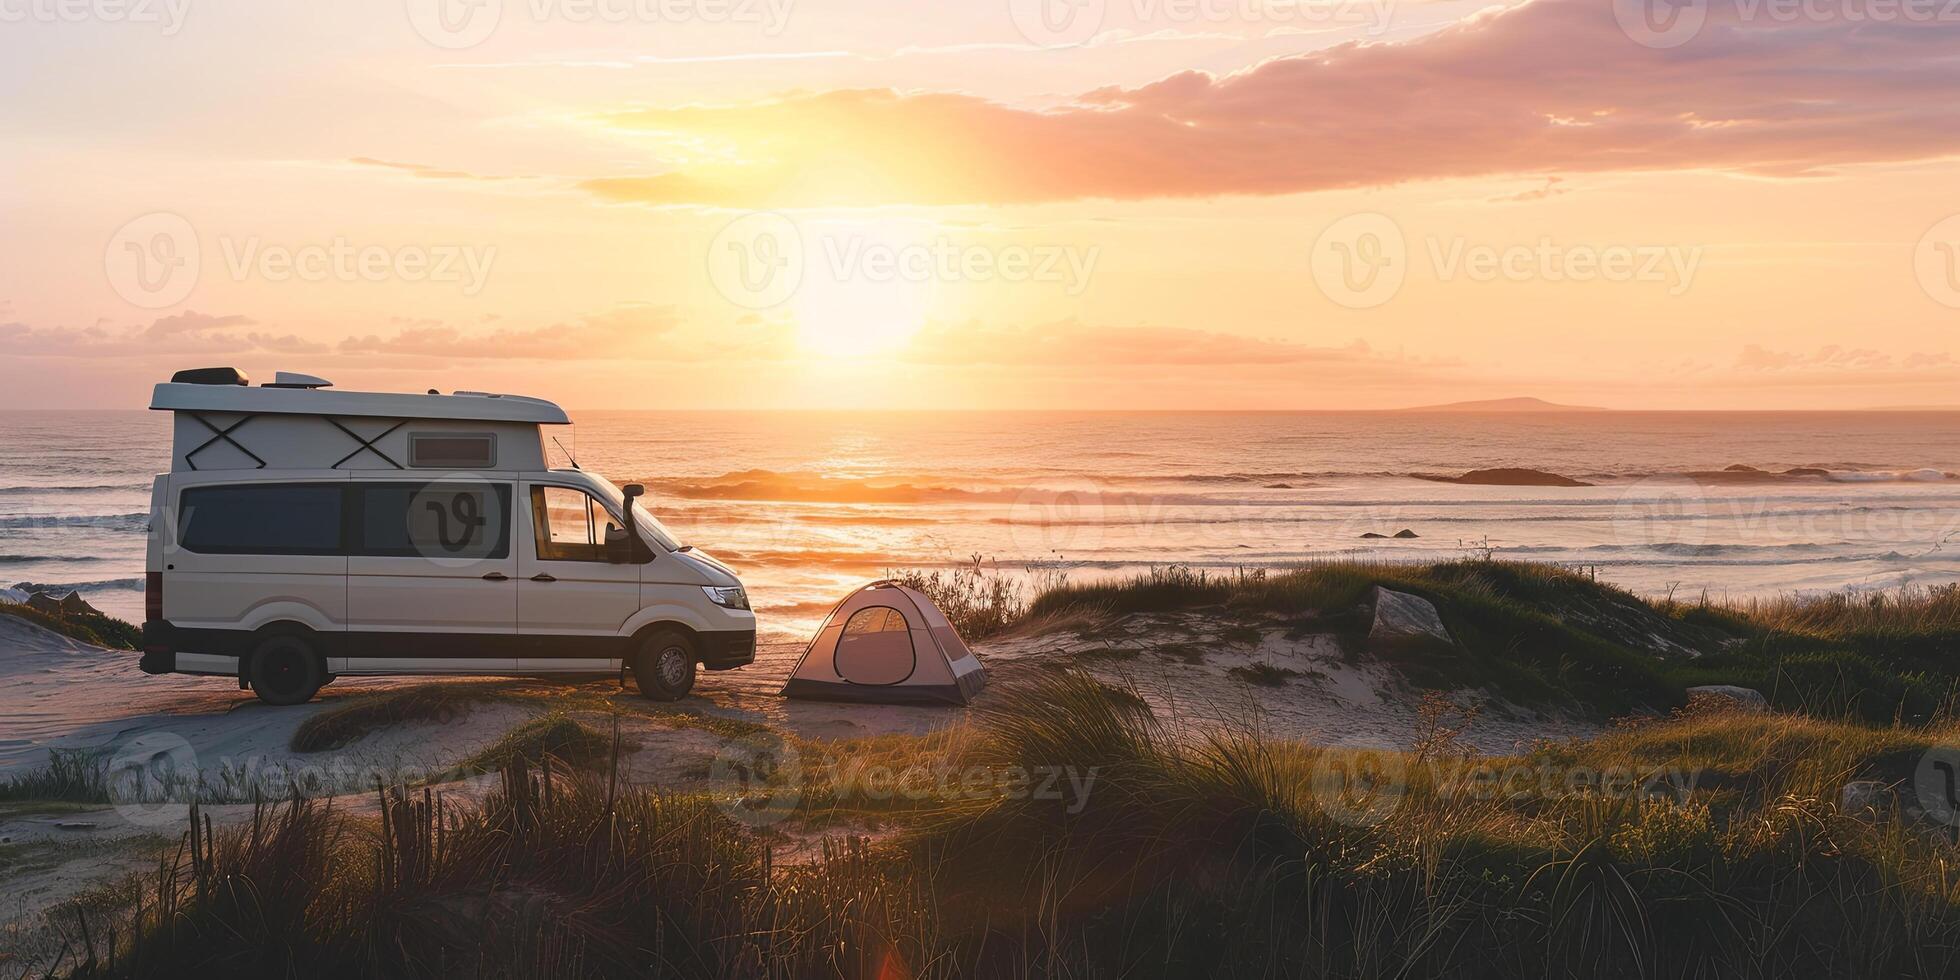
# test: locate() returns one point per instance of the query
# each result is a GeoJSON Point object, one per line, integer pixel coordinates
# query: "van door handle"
{"type": "Point", "coordinates": [542, 577]}
{"type": "Point", "coordinates": [496, 577]}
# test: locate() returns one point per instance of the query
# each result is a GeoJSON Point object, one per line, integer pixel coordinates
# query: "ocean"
{"type": "Point", "coordinates": [805, 505]}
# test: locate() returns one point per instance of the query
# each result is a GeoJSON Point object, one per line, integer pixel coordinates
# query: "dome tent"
{"type": "Point", "coordinates": [887, 643]}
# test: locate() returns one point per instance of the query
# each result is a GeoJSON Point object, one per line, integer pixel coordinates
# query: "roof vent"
{"type": "Point", "coordinates": [210, 376]}
{"type": "Point", "coordinates": [287, 379]}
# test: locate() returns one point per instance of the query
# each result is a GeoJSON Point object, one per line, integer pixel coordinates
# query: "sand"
{"type": "Point", "coordinates": [57, 693]}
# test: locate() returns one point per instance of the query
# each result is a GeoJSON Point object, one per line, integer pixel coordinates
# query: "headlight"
{"type": "Point", "coordinates": [727, 596]}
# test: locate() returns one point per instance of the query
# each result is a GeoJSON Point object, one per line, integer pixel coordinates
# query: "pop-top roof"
{"type": "Point", "coordinates": [463, 405]}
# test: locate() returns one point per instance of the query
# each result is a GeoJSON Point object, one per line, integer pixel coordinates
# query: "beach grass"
{"type": "Point", "coordinates": [95, 628]}
{"type": "Point", "coordinates": [1188, 854]}
{"type": "Point", "coordinates": [1538, 632]}
{"type": "Point", "coordinates": [69, 776]}
{"type": "Point", "coordinates": [355, 716]}
{"type": "Point", "coordinates": [555, 735]}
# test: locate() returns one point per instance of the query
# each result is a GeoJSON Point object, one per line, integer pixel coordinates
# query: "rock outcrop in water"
{"type": "Point", "coordinates": [1511, 476]}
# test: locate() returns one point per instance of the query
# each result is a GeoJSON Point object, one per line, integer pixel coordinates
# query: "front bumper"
{"type": "Point", "coordinates": [727, 649]}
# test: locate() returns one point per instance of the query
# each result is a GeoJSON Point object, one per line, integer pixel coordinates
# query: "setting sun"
{"type": "Point", "coordinates": [592, 489]}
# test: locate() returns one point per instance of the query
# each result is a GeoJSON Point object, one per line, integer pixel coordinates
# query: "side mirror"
{"type": "Point", "coordinates": [619, 546]}
{"type": "Point", "coordinates": [632, 490]}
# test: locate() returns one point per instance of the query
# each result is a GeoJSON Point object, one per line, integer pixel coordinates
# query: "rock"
{"type": "Point", "coordinates": [1806, 471]}
{"type": "Point", "coordinates": [1743, 696]}
{"type": "Point", "coordinates": [1864, 797]}
{"type": "Point", "coordinates": [1402, 618]}
{"type": "Point", "coordinates": [1279, 486]}
{"type": "Point", "coordinates": [1511, 476]}
{"type": "Point", "coordinates": [1374, 534]}
{"type": "Point", "coordinates": [1406, 533]}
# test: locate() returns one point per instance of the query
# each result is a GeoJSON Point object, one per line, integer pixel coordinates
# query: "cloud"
{"type": "Point", "coordinates": [189, 332]}
{"type": "Point", "coordinates": [624, 331]}
{"type": "Point", "coordinates": [430, 173]}
{"type": "Point", "coordinates": [191, 321]}
{"type": "Point", "coordinates": [1550, 86]}
{"type": "Point", "coordinates": [1070, 343]}
{"type": "Point", "coordinates": [1836, 365]}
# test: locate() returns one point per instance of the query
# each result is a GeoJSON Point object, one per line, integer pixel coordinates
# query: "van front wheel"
{"type": "Point", "coordinates": [664, 666]}
{"type": "Point", "coordinates": [286, 670]}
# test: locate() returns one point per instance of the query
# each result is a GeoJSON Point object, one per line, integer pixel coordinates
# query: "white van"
{"type": "Point", "coordinates": [304, 534]}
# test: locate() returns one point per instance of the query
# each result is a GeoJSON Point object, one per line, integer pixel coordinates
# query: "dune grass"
{"type": "Point", "coordinates": [70, 776]}
{"type": "Point", "coordinates": [355, 716]}
{"type": "Point", "coordinates": [1191, 854]}
{"type": "Point", "coordinates": [1539, 632]}
{"type": "Point", "coordinates": [96, 628]}
{"type": "Point", "coordinates": [556, 735]}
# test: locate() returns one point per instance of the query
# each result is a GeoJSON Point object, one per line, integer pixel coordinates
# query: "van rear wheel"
{"type": "Point", "coordinates": [664, 666]}
{"type": "Point", "coordinates": [286, 670]}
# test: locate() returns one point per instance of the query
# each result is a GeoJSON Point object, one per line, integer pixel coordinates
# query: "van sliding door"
{"type": "Point", "coordinates": [431, 577]}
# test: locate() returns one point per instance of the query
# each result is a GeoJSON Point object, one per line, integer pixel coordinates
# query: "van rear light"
{"type": "Point", "coordinates": [153, 596]}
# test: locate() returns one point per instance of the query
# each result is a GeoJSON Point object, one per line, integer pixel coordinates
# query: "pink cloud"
{"type": "Point", "coordinates": [1547, 87]}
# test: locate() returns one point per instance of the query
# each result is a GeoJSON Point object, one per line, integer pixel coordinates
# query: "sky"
{"type": "Point", "coordinates": [988, 204]}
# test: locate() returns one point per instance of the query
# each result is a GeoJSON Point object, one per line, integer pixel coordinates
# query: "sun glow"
{"type": "Point", "coordinates": [867, 287]}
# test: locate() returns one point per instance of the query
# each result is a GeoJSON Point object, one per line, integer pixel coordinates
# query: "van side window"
{"type": "Point", "coordinates": [455, 451]}
{"type": "Point", "coordinates": [570, 524]}
{"type": "Point", "coordinates": [261, 519]}
{"type": "Point", "coordinates": [433, 520]}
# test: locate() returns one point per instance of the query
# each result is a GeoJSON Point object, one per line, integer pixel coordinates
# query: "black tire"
{"type": "Point", "coordinates": [286, 669]}
{"type": "Point", "coordinates": [664, 665]}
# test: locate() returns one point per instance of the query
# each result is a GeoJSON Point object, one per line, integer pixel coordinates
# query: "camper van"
{"type": "Point", "coordinates": [305, 533]}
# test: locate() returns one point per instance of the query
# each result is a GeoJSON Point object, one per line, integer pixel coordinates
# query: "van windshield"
{"type": "Point", "coordinates": [650, 526]}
